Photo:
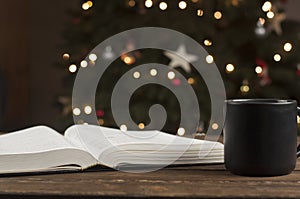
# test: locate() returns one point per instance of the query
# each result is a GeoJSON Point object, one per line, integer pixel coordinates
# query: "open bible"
{"type": "Point", "coordinates": [42, 149]}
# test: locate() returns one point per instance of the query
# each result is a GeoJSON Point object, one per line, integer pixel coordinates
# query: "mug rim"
{"type": "Point", "coordinates": [264, 101]}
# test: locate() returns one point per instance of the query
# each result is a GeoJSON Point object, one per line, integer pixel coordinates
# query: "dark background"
{"type": "Point", "coordinates": [30, 39]}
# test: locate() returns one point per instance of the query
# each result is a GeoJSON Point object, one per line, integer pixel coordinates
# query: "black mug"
{"type": "Point", "coordinates": [260, 136]}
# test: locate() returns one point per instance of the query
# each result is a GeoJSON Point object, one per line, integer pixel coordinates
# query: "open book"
{"type": "Point", "coordinates": [42, 149]}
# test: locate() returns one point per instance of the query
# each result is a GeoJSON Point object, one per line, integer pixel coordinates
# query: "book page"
{"type": "Point", "coordinates": [113, 147]}
{"type": "Point", "coordinates": [32, 140]}
{"type": "Point", "coordinates": [93, 139]}
{"type": "Point", "coordinates": [96, 140]}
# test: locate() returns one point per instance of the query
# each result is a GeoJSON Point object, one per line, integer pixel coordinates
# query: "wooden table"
{"type": "Point", "coordinates": [206, 181]}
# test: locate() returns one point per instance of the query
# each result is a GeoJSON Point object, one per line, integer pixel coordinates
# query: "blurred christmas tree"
{"type": "Point", "coordinates": [253, 44]}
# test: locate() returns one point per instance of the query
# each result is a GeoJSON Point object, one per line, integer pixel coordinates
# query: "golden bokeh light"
{"type": "Point", "coordinates": [148, 3]}
{"type": "Point", "coordinates": [229, 68]}
{"type": "Point", "coordinates": [258, 69]}
{"type": "Point", "coordinates": [181, 131]}
{"type": "Point", "coordinates": [153, 72]}
{"type": "Point", "coordinates": [207, 42]}
{"type": "Point", "coordinates": [287, 47]}
{"type": "Point", "coordinates": [72, 68]}
{"type": "Point", "coordinates": [191, 80]}
{"type": "Point", "coordinates": [270, 15]}
{"type": "Point", "coordinates": [182, 5]}
{"type": "Point", "coordinates": [209, 59]}
{"type": "Point", "coordinates": [136, 75]}
{"type": "Point", "coordinates": [200, 12]}
{"type": "Point", "coordinates": [88, 110]}
{"type": "Point", "coordinates": [217, 15]}
{"type": "Point", "coordinates": [277, 57]}
{"type": "Point", "coordinates": [163, 5]}
{"type": "Point", "coordinates": [171, 75]}
{"type": "Point", "coordinates": [76, 111]}
{"type": "Point", "coordinates": [66, 56]}
{"type": "Point", "coordinates": [266, 6]}
{"type": "Point", "coordinates": [141, 125]}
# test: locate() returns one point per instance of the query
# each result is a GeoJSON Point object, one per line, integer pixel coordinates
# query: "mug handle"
{"type": "Point", "coordinates": [298, 148]}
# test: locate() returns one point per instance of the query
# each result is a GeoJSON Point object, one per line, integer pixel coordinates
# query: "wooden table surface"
{"type": "Point", "coordinates": [206, 181]}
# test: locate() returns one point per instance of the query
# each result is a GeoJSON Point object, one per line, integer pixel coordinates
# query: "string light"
{"type": "Point", "coordinates": [131, 3]}
{"type": "Point", "coordinates": [93, 57]}
{"type": "Point", "coordinates": [215, 126]}
{"type": "Point", "coordinates": [218, 15]}
{"type": "Point", "coordinates": [229, 68]}
{"type": "Point", "coordinates": [66, 56]}
{"type": "Point", "coordinates": [181, 131]}
{"type": "Point", "coordinates": [267, 6]}
{"type": "Point", "coordinates": [72, 68]}
{"type": "Point", "coordinates": [277, 57]}
{"type": "Point", "coordinates": [270, 15]}
{"type": "Point", "coordinates": [298, 119]}
{"type": "Point", "coordinates": [182, 5]}
{"type": "Point", "coordinates": [123, 127]}
{"type": "Point", "coordinates": [101, 121]}
{"type": "Point", "coordinates": [200, 12]}
{"type": "Point", "coordinates": [195, 1]}
{"type": "Point", "coordinates": [287, 47]}
{"type": "Point", "coordinates": [171, 75]}
{"type": "Point", "coordinates": [76, 111]}
{"type": "Point", "coordinates": [128, 60]}
{"type": "Point", "coordinates": [90, 3]}
{"type": "Point", "coordinates": [163, 5]}
{"type": "Point", "coordinates": [207, 42]}
{"type": "Point", "coordinates": [258, 69]}
{"type": "Point", "coordinates": [141, 125]}
{"type": "Point", "coordinates": [148, 3]}
{"type": "Point", "coordinates": [136, 75]}
{"type": "Point", "coordinates": [209, 59]}
{"type": "Point", "coordinates": [191, 80]}
{"type": "Point", "coordinates": [88, 110]}
{"type": "Point", "coordinates": [83, 64]}
{"type": "Point", "coordinates": [245, 88]}
{"type": "Point", "coordinates": [85, 6]}
{"type": "Point", "coordinates": [153, 72]}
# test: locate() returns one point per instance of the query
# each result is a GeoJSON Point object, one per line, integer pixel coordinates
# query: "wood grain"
{"type": "Point", "coordinates": [208, 181]}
